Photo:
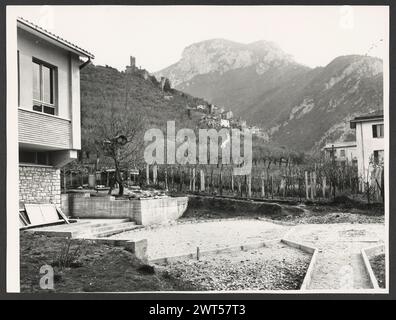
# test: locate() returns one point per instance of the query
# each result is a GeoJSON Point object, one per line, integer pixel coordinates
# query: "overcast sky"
{"type": "Point", "coordinates": [157, 35]}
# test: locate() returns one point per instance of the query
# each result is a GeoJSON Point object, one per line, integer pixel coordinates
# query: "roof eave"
{"type": "Point", "coordinates": [37, 31]}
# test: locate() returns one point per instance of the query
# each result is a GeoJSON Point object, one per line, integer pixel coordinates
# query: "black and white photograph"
{"type": "Point", "coordinates": [198, 149]}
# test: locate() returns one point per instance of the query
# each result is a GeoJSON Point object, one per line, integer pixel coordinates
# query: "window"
{"type": "Point", "coordinates": [34, 157]}
{"type": "Point", "coordinates": [342, 153]}
{"type": "Point", "coordinates": [378, 156]}
{"type": "Point", "coordinates": [43, 88]}
{"type": "Point", "coordinates": [378, 130]}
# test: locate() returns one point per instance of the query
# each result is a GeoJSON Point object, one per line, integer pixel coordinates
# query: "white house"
{"type": "Point", "coordinates": [370, 143]}
{"type": "Point", "coordinates": [224, 123]}
{"type": "Point", "coordinates": [344, 152]}
{"type": "Point", "coordinates": [49, 128]}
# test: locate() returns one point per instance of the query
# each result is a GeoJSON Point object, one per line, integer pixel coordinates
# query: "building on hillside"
{"type": "Point", "coordinates": [220, 110]}
{"type": "Point", "coordinates": [227, 115]}
{"type": "Point", "coordinates": [370, 143]}
{"type": "Point", "coordinates": [49, 126]}
{"type": "Point", "coordinates": [224, 123]}
{"type": "Point", "coordinates": [132, 65]}
{"type": "Point", "coordinates": [343, 152]}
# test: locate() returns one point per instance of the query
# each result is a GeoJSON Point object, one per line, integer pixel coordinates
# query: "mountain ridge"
{"type": "Point", "coordinates": [266, 86]}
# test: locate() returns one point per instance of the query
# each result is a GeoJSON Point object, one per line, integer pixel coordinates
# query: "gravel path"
{"type": "Point", "coordinates": [339, 263]}
{"type": "Point", "coordinates": [179, 239]}
{"type": "Point", "coordinates": [277, 267]}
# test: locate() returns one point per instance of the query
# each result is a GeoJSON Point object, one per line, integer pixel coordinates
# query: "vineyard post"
{"type": "Point", "coordinates": [232, 180]}
{"type": "Point", "coordinates": [249, 180]}
{"type": "Point", "coordinates": [272, 187]}
{"type": "Point", "coordinates": [193, 183]}
{"type": "Point", "coordinates": [306, 186]}
{"type": "Point", "coordinates": [166, 177]}
{"type": "Point", "coordinates": [202, 180]}
{"type": "Point", "coordinates": [155, 174]}
{"type": "Point", "coordinates": [148, 174]}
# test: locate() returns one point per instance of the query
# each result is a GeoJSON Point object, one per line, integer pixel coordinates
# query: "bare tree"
{"type": "Point", "coordinates": [117, 130]}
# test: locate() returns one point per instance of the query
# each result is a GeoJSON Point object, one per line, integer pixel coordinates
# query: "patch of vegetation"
{"type": "Point", "coordinates": [102, 268]}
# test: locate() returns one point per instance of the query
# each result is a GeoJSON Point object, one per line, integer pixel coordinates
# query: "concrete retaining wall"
{"type": "Point", "coordinates": [144, 211]}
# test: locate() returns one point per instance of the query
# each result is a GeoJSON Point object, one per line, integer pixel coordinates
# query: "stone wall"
{"type": "Point", "coordinates": [144, 211]}
{"type": "Point", "coordinates": [39, 184]}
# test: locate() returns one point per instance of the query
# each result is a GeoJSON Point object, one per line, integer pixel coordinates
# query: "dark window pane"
{"type": "Point", "coordinates": [36, 81]}
{"type": "Point", "coordinates": [42, 158]}
{"type": "Point", "coordinates": [47, 84]}
{"type": "Point", "coordinates": [37, 107]}
{"type": "Point", "coordinates": [49, 110]}
{"type": "Point", "coordinates": [27, 157]}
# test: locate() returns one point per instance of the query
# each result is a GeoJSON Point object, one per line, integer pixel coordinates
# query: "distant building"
{"type": "Point", "coordinates": [254, 130]}
{"type": "Point", "coordinates": [370, 143]}
{"type": "Point", "coordinates": [242, 124]}
{"type": "Point", "coordinates": [343, 152]}
{"type": "Point", "coordinates": [224, 123]}
{"type": "Point", "coordinates": [228, 115]}
{"type": "Point", "coordinates": [132, 65]}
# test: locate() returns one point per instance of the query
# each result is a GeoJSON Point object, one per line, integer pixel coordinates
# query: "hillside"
{"type": "Point", "coordinates": [296, 105]}
{"type": "Point", "coordinates": [145, 96]}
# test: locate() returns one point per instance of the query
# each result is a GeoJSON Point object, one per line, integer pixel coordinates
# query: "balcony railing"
{"type": "Point", "coordinates": [43, 130]}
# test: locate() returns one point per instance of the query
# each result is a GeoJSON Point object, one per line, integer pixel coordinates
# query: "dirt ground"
{"type": "Point", "coordinates": [99, 268]}
{"type": "Point", "coordinates": [277, 267]}
{"type": "Point", "coordinates": [183, 238]}
{"type": "Point", "coordinates": [378, 266]}
{"type": "Point", "coordinates": [301, 214]}
{"type": "Point", "coordinates": [339, 232]}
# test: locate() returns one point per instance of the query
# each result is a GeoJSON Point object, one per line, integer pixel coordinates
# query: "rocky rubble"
{"type": "Point", "coordinates": [278, 267]}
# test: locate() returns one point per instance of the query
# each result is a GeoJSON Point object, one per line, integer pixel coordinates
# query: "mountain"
{"type": "Point", "coordinates": [296, 105]}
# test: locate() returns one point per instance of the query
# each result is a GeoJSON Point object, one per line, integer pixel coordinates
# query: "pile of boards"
{"type": "Point", "coordinates": [34, 215]}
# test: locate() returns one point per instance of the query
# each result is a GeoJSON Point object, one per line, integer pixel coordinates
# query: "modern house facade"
{"type": "Point", "coordinates": [370, 143]}
{"type": "Point", "coordinates": [343, 152]}
{"type": "Point", "coordinates": [49, 126]}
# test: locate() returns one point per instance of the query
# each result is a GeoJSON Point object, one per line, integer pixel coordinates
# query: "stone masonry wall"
{"type": "Point", "coordinates": [39, 184]}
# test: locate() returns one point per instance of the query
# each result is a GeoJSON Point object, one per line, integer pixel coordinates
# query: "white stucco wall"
{"type": "Point", "coordinates": [67, 88]}
{"type": "Point", "coordinates": [366, 145]}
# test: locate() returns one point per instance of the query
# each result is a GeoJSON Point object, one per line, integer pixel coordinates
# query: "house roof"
{"type": "Point", "coordinates": [49, 36]}
{"type": "Point", "coordinates": [373, 116]}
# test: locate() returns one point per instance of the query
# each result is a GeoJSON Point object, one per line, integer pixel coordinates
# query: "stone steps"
{"type": "Point", "coordinates": [85, 229]}
{"type": "Point", "coordinates": [105, 231]}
